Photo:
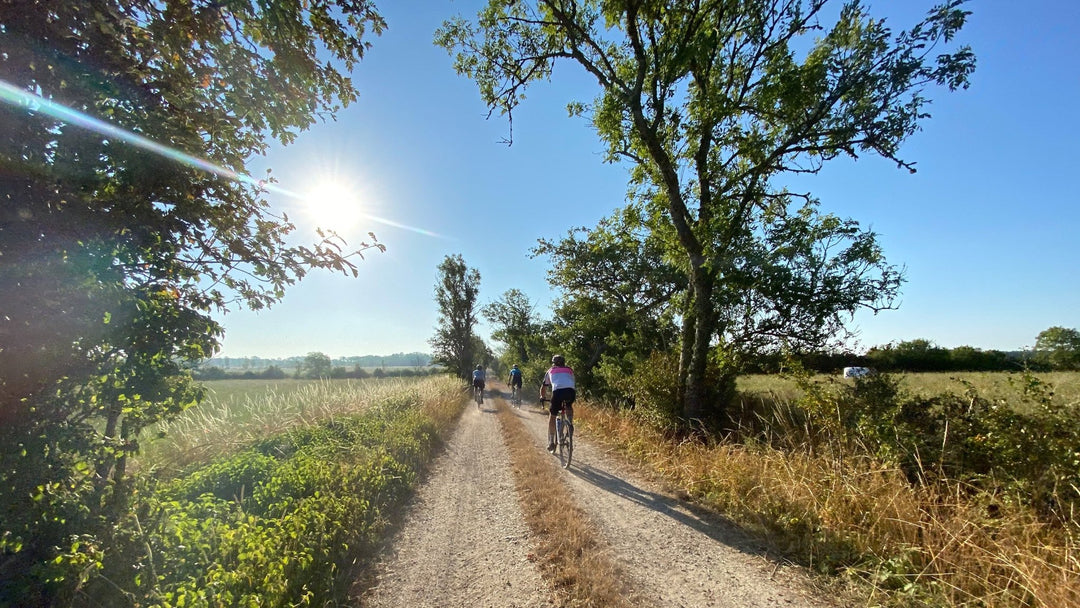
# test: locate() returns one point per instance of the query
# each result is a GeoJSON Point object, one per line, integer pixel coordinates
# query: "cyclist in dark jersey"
{"type": "Point", "coordinates": [478, 380]}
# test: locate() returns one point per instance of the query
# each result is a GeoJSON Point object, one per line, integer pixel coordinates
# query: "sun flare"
{"type": "Point", "coordinates": [334, 205]}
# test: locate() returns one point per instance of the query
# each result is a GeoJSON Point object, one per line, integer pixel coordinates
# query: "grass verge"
{"type": "Point", "coordinates": [569, 552]}
{"type": "Point", "coordinates": [292, 518]}
{"type": "Point", "coordinates": [907, 545]}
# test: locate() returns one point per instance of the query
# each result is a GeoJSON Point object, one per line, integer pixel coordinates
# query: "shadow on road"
{"type": "Point", "coordinates": [697, 518]}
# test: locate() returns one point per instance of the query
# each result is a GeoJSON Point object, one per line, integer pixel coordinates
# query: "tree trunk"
{"type": "Point", "coordinates": [686, 350]}
{"type": "Point", "coordinates": [694, 396]}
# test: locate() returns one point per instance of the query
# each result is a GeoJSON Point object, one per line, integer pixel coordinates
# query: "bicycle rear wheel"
{"type": "Point", "coordinates": [569, 444]}
{"type": "Point", "coordinates": [566, 442]}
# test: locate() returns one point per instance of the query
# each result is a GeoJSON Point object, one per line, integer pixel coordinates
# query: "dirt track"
{"type": "Point", "coordinates": [464, 542]}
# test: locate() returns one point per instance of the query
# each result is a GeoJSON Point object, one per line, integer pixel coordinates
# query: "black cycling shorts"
{"type": "Point", "coordinates": [478, 383]}
{"type": "Point", "coordinates": [564, 397]}
{"type": "Point", "coordinates": [516, 382]}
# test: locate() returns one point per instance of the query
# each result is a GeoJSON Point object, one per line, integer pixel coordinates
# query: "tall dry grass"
{"type": "Point", "coordinates": [848, 515]}
{"type": "Point", "coordinates": [220, 426]}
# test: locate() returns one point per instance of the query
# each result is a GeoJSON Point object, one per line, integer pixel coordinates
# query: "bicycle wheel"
{"type": "Point", "coordinates": [566, 448]}
{"type": "Point", "coordinates": [568, 430]}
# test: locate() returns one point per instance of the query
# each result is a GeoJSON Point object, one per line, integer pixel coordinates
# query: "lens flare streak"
{"type": "Point", "coordinates": [31, 102]}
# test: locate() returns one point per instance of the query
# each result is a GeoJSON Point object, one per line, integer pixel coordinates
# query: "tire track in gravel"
{"type": "Point", "coordinates": [673, 554]}
{"type": "Point", "coordinates": [463, 541]}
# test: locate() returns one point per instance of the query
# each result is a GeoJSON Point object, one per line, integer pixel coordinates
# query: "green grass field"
{"type": "Point", "coordinates": [992, 385]}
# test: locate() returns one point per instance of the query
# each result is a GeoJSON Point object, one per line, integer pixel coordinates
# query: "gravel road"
{"type": "Point", "coordinates": [464, 542]}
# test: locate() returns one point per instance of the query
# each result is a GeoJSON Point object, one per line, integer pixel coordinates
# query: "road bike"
{"type": "Point", "coordinates": [515, 396]}
{"type": "Point", "coordinates": [564, 437]}
{"type": "Point", "coordinates": [478, 395]}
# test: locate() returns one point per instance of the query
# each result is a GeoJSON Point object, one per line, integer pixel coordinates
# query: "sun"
{"type": "Point", "coordinates": [334, 204]}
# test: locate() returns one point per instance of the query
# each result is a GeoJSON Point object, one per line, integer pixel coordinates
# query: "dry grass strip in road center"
{"type": "Point", "coordinates": [569, 551]}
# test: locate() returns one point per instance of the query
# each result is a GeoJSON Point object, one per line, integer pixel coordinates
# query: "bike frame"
{"type": "Point", "coordinates": [565, 447]}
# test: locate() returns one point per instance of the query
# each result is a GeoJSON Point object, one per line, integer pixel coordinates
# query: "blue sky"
{"type": "Point", "coordinates": [986, 228]}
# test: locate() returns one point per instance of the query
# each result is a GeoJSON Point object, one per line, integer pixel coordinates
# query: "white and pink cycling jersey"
{"type": "Point", "coordinates": [559, 377]}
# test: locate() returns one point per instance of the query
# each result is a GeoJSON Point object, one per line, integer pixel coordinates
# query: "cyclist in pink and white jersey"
{"type": "Point", "coordinates": [561, 380]}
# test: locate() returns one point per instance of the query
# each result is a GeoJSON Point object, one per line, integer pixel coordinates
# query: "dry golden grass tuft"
{"type": "Point", "coordinates": [569, 552]}
{"type": "Point", "coordinates": [911, 546]}
{"type": "Point", "coordinates": [222, 426]}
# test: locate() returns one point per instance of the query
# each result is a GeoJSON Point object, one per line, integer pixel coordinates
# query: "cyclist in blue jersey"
{"type": "Point", "coordinates": [515, 377]}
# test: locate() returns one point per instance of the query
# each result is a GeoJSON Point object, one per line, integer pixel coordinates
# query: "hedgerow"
{"type": "Point", "coordinates": [288, 521]}
{"type": "Point", "coordinates": [951, 499]}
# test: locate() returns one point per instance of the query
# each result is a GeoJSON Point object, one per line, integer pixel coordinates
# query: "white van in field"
{"type": "Point", "coordinates": [856, 372]}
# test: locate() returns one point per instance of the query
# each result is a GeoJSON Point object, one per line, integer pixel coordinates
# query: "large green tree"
{"type": "Point", "coordinates": [516, 325]}
{"type": "Point", "coordinates": [315, 365]}
{"type": "Point", "coordinates": [616, 294]}
{"type": "Point", "coordinates": [1058, 348]}
{"type": "Point", "coordinates": [713, 101]}
{"type": "Point", "coordinates": [455, 344]}
{"type": "Point", "coordinates": [113, 256]}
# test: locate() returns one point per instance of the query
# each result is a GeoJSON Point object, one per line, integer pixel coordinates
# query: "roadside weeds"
{"type": "Point", "coordinates": [569, 552]}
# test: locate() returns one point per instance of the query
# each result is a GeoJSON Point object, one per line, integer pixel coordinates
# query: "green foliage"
{"type": "Point", "coordinates": [649, 386]}
{"type": "Point", "coordinates": [1023, 445]}
{"type": "Point", "coordinates": [1058, 348]}
{"type": "Point", "coordinates": [315, 365]}
{"type": "Point", "coordinates": [912, 355]}
{"type": "Point", "coordinates": [617, 298]}
{"type": "Point", "coordinates": [454, 344]}
{"type": "Point", "coordinates": [115, 258]}
{"type": "Point", "coordinates": [712, 103]}
{"type": "Point", "coordinates": [922, 355]}
{"type": "Point", "coordinates": [273, 373]}
{"type": "Point", "coordinates": [285, 522]}
{"type": "Point", "coordinates": [516, 325]}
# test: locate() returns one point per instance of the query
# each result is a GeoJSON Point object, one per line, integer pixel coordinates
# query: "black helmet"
{"type": "Point", "coordinates": [515, 366]}
{"type": "Point", "coordinates": [479, 367]}
{"type": "Point", "coordinates": [558, 360]}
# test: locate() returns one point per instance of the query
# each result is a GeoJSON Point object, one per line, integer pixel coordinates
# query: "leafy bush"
{"type": "Point", "coordinates": [1027, 446]}
{"type": "Point", "coordinates": [273, 373]}
{"type": "Point", "coordinates": [285, 522]}
{"type": "Point", "coordinates": [651, 388]}
{"type": "Point", "coordinates": [653, 396]}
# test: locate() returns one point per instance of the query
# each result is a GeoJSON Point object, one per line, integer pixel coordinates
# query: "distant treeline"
{"type": "Point", "coordinates": [260, 364]}
{"type": "Point", "coordinates": [275, 372]}
{"type": "Point", "coordinates": [910, 356]}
